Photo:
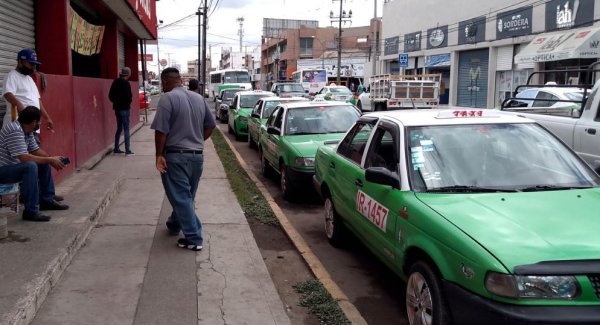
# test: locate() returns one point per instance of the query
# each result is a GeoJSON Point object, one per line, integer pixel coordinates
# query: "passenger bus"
{"type": "Point", "coordinates": [312, 80]}
{"type": "Point", "coordinates": [228, 78]}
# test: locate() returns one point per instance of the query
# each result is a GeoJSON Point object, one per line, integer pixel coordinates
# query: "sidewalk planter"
{"type": "Point", "coordinates": [9, 205]}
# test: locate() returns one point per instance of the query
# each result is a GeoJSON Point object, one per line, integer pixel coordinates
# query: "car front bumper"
{"type": "Point", "coordinates": [241, 128]}
{"type": "Point", "coordinates": [469, 308]}
{"type": "Point", "coordinates": [301, 176]}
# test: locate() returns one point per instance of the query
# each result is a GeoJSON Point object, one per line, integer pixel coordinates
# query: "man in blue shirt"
{"type": "Point", "coordinates": [182, 123]}
{"type": "Point", "coordinates": [22, 160]}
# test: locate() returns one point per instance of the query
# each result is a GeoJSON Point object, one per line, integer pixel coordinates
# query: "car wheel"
{"type": "Point", "coordinates": [287, 188]}
{"type": "Point", "coordinates": [238, 137]}
{"type": "Point", "coordinates": [334, 228]}
{"type": "Point", "coordinates": [223, 118]}
{"type": "Point", "coordinates": [264, 164]}
{"type": "Point", "coordinates": [425, 303]}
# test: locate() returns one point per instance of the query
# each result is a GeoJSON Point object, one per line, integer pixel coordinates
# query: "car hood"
{"type": "Point", "coordinates": [244, 112]}
{"type": "Point", "coordinates": [293, 94]}
{"type": "Point", "coordinates": [526, 228]}
{"type": "Point", "coordinates": [307, 145]}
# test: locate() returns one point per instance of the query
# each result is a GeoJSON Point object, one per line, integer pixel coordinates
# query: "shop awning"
{"type": "Point", "coordinates": [582, 43]}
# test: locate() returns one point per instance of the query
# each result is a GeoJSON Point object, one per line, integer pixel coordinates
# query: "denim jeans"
{"type": "Point", "coordinates": [36, 181]}
{"type": "Point", "coordinates": [123, 117]}
{"type": "Point", "coordinates": [181, 182]}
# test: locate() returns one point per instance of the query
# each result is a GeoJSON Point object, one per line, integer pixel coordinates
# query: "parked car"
{"type": "Point", "coordinates": [292, 134]}
{"type": "Point", "coordinates": [332, 92]}
{"type": "Point", "coordinates": [489, 217]}
{"type": "Point", "coordinates": [263, 108]}
{"type": "Point", "coordinates": [549, 97]}
{"type": "Point", "coordinates": [143, 98]}
{"type": "Point", "coordinates": [289, 89]}
{"type": "Point", "coordinates": [223, 101]}
{"type": "Point", "coordinates": [240, 109]}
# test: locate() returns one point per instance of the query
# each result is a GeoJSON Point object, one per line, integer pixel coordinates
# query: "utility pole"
{"type": "Point", "coordinates": [375, 41]}
{"type": "Point", "coordinates": [240, 20]}
{"type": "Point", "coordinates": [343, 16]}
{"type": "Point", "coordinates": [157, 50]}
{"type": "Point", "coordinates": [202, 22]}
{"type": "Point", "coordinates": [204, 25]}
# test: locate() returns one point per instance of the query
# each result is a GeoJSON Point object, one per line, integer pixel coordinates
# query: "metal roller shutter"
{"type": "Point", "coordinates": [17, 31]}
{"type": "Point", "coordinates": [473, 78]}
{"type": "Point", "coordinates": [505, 58]}
{"type": "Point", "coordinates": [121, 51]}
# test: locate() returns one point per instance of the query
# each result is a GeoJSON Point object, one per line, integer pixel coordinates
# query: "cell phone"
{"type": "Point", "coordinates": [65, 160]}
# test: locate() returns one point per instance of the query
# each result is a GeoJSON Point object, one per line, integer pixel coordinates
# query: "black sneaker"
{"type": "Point", "coordinates": [129, 153]}
{"type": "Point", "coordinates": [118, 151]}
{"type": "Point", "coordinates": [184, 243]}
{"type": "Point", "coordinates": [35, 216]}
{"type": "Point", "coordinates": [53, 205]}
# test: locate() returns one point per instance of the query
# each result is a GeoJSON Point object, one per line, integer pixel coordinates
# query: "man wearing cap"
{"type": "Point", "coordinates": [120, 95]}
{"type": "Point", "coordinates": [20, 90]}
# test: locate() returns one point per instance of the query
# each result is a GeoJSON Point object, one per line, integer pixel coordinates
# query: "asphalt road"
{"type": "Point", "coordinates": [376, 291]}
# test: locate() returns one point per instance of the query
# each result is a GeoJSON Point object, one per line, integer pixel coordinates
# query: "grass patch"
{"type": "Point", "coordinates": [251, 199]}
{"type": "Point", "coordinates": [320, 303]}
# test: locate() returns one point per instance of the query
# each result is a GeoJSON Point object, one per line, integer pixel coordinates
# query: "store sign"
{"type": "Point", "coordinates": [514, 22]}
{"type": "Point", "coordinates": [562, 14]}
{"type": "Point", "coordinates": [412, 42]}
{"type": "Point", "coordinates": [440, 60]}
{"type": "Point", "coordinates": [146, 12]}
{"type": "Point", "coordinates": [390, 45]}
{"type": "Point", "coordinates": [86, 39]}
{"type": "Point", "coordinates": [471, 31]}
{"type": "Point", "coordinates": [146, 57]}
{"type": "Point", "coordinates": [437, 37]}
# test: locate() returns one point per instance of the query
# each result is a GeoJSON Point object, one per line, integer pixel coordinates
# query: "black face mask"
{"type": "Point", "coordinates": [25, 70]}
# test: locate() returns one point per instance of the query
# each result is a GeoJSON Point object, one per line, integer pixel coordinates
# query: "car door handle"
{"type": "Point", "coordinates": [358, 183]}
{"type": "Point", "coordinates": [590, 131]}
{"type": "Point", "coordinates": [331, 164]}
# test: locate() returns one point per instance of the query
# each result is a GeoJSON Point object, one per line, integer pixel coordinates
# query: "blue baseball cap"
{"type": "Point", "coordinates": [28, 55]}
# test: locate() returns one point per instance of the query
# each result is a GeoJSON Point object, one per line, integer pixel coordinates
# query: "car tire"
{"type": "Point", "coordinates": [285, 183]}
{"type": "Point", "coordinates": [223, 118]}
{"type": "Point", "coordinates": [423, 283]}
{"type": "Point", "coordinates": [334, 228]}
{"type": "Point", "coordinates": [238, 137]}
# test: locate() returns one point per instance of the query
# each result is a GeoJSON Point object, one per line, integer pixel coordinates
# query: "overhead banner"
{"type": "Point", "coordinates": [86, 39]}
{"type": "Point", "coordinates": [350, 67]}
{"type": "Point", "coordinates": [583, 43]}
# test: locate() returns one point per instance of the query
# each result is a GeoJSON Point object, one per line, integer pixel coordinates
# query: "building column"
{"type": "Point", "coordinates": [110, 51]}
{"type": "Point", "coordinates": [491, 84]}
{"type": "Point", "coordinates": [452, 100]}
{"type": "Point", "coordinates": [53, 42]}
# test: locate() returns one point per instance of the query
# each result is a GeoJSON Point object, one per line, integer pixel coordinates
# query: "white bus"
{"type": "Point", "coordinates": [312, 80]}
{"type": "Point", "coordinates": [228, 78]}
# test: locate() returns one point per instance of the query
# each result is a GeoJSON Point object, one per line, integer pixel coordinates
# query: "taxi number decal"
{"type": "Point", "coordinates": [372, 210]}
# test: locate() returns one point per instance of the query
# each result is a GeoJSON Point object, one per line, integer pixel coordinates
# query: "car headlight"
{"type": "Point", "coordinates": [532, 286]}
{"type": "Point", "coordinates": [243, 119]}
{"type": "Point", "coordinates": [305, 161]}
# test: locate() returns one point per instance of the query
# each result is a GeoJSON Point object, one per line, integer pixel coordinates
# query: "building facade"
{"type": "Point", "coordinates": [82, 46]}
{"type": "Point", "coordinates": [314, 47]}
{"type": "Point", "coordinates": [482, 49]}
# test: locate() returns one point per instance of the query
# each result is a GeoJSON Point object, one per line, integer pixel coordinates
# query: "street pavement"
{"type": "Point", "coordinates": [110, 260]}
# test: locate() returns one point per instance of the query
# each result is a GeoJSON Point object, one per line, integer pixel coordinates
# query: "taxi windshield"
{"type": "Point", "coordinates": [250, 100]}
{"type": "Point", "coordinates": [492, 157]}
{"type": "Point", "coordinates": [320, 119]}
{"type": "Point", "coordinates": [291, 88]}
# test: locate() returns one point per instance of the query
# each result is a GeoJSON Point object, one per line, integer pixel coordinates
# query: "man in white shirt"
{"type": "Point", "coordinates": [20, 89]}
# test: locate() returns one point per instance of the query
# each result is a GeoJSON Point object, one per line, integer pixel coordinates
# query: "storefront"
{"type": "Point", "coordinates": [440, 63]}
{"type": "Point", "coordinates": [473, 78]}
{"type": "Point", "coordinates": [82, 46]}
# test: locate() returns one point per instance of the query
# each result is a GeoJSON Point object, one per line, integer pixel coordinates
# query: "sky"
{"type": "Point", "coordinates": [178, 42]}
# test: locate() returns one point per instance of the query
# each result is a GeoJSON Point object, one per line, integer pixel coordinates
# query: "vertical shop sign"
{"type": "Point", "coordinates": [412, 42]}
{"type": "Point", "coordinates": [437, 37]}
{"type": "Point", "coordinates": [390, 45]}
{"type": "Point", "coordinates": [563, 14]}
{"type": "Point", "coordinates": [471, 31]}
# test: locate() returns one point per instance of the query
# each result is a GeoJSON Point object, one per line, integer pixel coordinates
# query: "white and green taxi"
{"type": "Point", "coordinates": [240, 109]}
{"type": "Point", "coordinates": [489, 217]}
{"type": "Point", "coordinates": [262, 110]}
{"type": "Point", "coordinates": [292, 134]}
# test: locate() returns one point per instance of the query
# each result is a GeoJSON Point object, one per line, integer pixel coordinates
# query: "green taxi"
{"type": "Point", "coordinates": [293, 132]}
{"type": "Point", "coordinates": [263, 108]}
{"type": "Point", "coordinates": [240, 109]}
{"type": "Point", "coordinates": [488, 217]}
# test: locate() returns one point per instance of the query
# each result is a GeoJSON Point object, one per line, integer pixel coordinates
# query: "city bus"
{"type": "Point", "coordinates": [312, 80]}
{"type": "Point", "coordinates": [228, 78]}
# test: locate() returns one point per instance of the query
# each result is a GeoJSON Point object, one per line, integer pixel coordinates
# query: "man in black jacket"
{"type": "Point", "coordinates": [120, 95]}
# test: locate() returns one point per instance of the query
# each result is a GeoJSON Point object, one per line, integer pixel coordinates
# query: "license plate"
{"type": "Point", "coordinates": [372, 210]}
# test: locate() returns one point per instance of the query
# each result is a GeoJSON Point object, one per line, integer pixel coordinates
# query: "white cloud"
{"type": "Point", "coordinates": [181, 40]}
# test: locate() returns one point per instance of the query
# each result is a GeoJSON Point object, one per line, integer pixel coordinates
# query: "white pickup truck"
{"type": "Point", "coordinates": [579, 129]}
{"type": "Point", "coordinates": [389, 92]}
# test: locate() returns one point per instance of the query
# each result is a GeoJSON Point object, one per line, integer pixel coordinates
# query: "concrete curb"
{"type": "Point", "coordinates": [309, 257]}
{"type": "Point", "coordinates": [30, 304]}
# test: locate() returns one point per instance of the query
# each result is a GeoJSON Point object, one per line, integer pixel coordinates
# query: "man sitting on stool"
{"type": "Point", "coordinates": [22, 160]}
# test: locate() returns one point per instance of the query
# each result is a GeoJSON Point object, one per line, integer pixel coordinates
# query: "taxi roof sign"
{"type": "Point", "coordinates": [466, 113]}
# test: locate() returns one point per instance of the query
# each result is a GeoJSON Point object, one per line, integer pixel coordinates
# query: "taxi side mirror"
{"type": "Point", "coordinates": [381, 175]}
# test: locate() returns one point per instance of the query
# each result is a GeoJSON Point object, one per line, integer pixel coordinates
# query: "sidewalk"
{"type": "Point", "coordinates": [124, 268]}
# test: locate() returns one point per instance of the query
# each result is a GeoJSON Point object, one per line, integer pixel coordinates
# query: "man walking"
{"type": "Point", "coordinates": [121, 97]}
{"type": "Point", "coordinates": [182, 123]}
{"type": "Point", "coordinates": [22, 160]}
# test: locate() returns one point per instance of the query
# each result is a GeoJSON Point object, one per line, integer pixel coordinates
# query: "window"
{"type": "Point", "coordinates": [306, 47]}
{"type": "Point", "coordinates": [271, 120]}
{"type": "Point", "coordinates": [353, 145]}
{"type": "Point", "coordinates": [547, 99]}
{"type": "Point", "coordinates": [383, 151]}
{"type": "Point", "coordinates": [278, 119]}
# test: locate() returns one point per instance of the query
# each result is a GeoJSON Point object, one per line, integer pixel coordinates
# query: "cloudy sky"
{"type": "Point", "coordinates": [179, 41]}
